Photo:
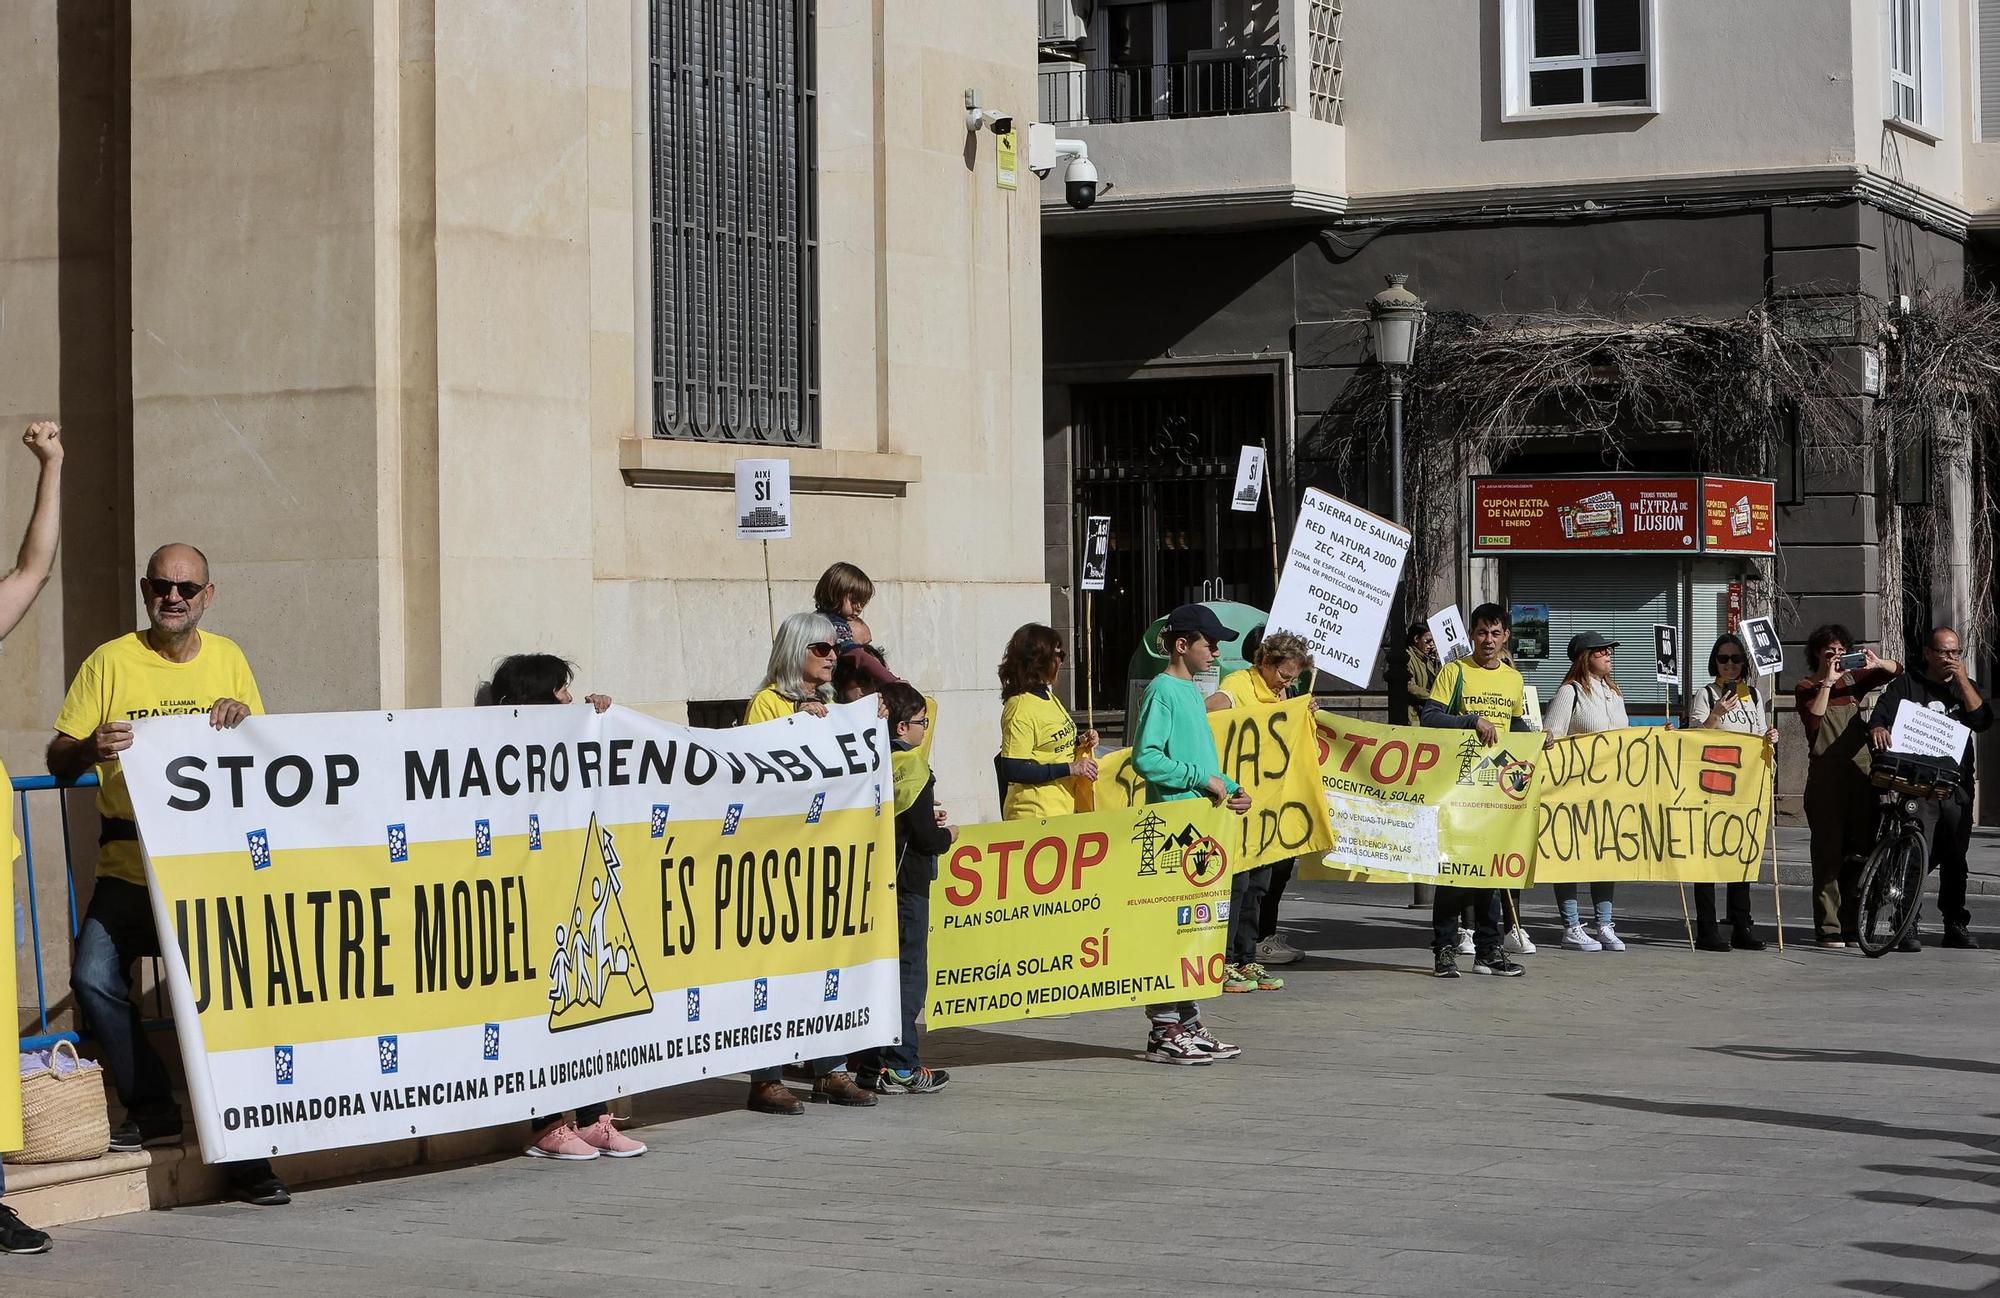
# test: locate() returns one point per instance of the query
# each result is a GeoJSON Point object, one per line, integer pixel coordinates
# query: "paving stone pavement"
{"type": "Point", "coordinates": [1653, 1122]}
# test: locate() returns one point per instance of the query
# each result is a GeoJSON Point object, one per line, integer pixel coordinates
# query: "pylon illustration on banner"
{"type": "Point", "coordinates": [594, 972]}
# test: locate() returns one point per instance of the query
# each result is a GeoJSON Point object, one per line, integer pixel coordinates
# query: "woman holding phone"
{"type": "Point", "coordinates": [1839, 800]}
{"type": "Point", "coordinates": [1729, 702]}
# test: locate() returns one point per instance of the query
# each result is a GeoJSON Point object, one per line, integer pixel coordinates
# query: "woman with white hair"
{"type": "Point", "coordinates": [800, 679]}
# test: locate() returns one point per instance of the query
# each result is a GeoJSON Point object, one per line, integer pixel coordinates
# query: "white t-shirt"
{"type": "Point", "coordinates": [1575, 711]}
{"type": "Point", "coordinates": [1711, 708]}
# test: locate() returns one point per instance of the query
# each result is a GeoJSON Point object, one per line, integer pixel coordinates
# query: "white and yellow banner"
{"type": "Point", "coordinates": [381, 925]}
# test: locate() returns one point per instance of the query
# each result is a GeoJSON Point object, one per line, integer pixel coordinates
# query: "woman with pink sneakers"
{"type": "Point", "coordinates": [526, 679]}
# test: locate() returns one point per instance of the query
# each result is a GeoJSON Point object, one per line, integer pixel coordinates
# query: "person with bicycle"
{"type": "Point", "coordinates": [1839, 800]}
{"type": "Point", "coordinates": [1942, 686]}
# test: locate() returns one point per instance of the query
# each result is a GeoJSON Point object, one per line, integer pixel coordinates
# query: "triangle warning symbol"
{"type": "Point", "coordinates": [594, 971]}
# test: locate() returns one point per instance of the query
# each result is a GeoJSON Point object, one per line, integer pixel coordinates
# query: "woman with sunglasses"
{"type": "Point", "coordinates": [1587, 702]}
{"type": "Point", "coordinates": [1729, 702]}
{"type": "Point", "coordinates": [800, 675]}
{"type": "Point", "coordinates": [1040, 751]}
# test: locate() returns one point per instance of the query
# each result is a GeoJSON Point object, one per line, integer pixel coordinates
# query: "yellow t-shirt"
{"type": "Point", "coordinates": [768, 705]}
{"type": "Point", "coordinates": [1247, 688]}
{"type": "Point", "coordinates": [1496, 693]}
{"type": "Point", "coordinates": [124, 680]}
{"type": "Point", "coordinates": [1040, 730]}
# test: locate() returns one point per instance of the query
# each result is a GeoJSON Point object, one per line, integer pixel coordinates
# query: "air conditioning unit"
{"type": "Point", "coordinates": [1063, 21]}
{"type": "Point", "coordinates": [1060, 92]}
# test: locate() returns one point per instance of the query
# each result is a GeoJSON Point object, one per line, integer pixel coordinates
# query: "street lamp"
{"type": "Point", "coordinates": [1395, 318]}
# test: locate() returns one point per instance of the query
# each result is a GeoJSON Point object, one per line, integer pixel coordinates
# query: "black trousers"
{"type": "Point", "coordinates": [1739, 905]}
{"type": "Point", "coordinates": [1949, 825]}
{"type": "Point", "coordinates": [1246, 911]}
{"type": "Point", "coordinates": [1447, 904]}
{"type": "Point", "coordinates": [1267, 914]}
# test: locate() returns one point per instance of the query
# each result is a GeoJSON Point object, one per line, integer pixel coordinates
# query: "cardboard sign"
{"type": "Point", "coordinates": [1096, 551]}
{"type": "Point", "coordinates": [763, 500]}
{"type": "Point", "coordinates": [1249, 480]}
{"type": "Point", "coordinates": [1767, 652]}
{"type": "Point", "coordinates": [1921, 732]}
{"type": "Point", "coordinates": [1448, 630]}
{"type": "Point", "coordinates": [1339, 582]}
{"type": "Point", "coordinates": [1666, 654]}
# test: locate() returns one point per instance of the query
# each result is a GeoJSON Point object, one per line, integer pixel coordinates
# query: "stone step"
{"type": "Point", "coordinates": [56, 1194]}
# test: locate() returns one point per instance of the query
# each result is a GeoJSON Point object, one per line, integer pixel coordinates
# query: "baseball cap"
{"type": "Point", "coordinates": [1197, 619]}
{"type": "Point", "coordinates": [1588, 641]}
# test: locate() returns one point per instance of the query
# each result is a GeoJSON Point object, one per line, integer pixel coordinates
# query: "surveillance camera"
{"type": "Point", "coordinates": [1080, 183]}
{"type": "Point", "coordinates": [999, 123]}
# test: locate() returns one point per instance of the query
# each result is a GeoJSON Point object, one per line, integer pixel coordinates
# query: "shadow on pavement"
{"type": "Point", "coordinates": [1973, 1175]}
{"type": "Point", "coordinates": [1814, 1055]}
{"type": "Point", "coordinates": [960, 1047]}
{"type": "Point", "coordinates": [1784, 1118]}
{"type": "Point", "coordinates": [1922, 1253]}
{"type": "Point", "coordinates": [1902, 1199]}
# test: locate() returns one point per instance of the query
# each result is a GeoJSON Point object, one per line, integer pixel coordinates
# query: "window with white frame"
{"type": "Point", "coordinates": [1913, 48]}
{"type": "Point", "coordinates": [1571, 57]}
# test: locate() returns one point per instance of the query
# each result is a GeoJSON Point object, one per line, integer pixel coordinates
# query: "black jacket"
{"type": "Point", "coordinates": [1918, 690]}
{"type": "Point", "coordinates": [920, 841]}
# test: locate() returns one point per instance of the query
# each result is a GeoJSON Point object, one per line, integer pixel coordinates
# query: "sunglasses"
{"type": "Point", "coordinates": [820, 649]}
{"type": "Point", "coordinates": [1720, 659]}
{"type": "Point", "coordinates": [160, 587]}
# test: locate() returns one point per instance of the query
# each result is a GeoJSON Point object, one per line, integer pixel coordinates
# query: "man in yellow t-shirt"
{"type": "Point", "coordinates": [170, 668]}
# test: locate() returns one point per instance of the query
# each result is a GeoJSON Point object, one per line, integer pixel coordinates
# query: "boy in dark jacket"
{"type": "Point", "coordinates": [922, 833]}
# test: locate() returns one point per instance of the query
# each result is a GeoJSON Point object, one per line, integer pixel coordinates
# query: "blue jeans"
{"type": "Point", "coordinates": [1600, 898]}
{"type": "Point", "coordinates": [117, 930]}
{"type": "Point", "coordinates": [913, 931]}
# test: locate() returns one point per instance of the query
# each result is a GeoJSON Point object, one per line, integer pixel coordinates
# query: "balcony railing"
{"type": "Point", "coordinates": [1218, 85]}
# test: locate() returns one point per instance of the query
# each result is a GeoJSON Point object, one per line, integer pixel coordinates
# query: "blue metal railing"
{"type": "Point", "coordinates": [23, 786]}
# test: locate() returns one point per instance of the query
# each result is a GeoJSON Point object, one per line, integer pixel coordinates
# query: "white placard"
{"type": "Point", "coordinates": [1249, 480]}
{"type": "Point", "coordinates": [1767, 652]}
{"type": "Point", "coordinates": [1096, 551]}
{"type": "Point", "coordinates": [1666, 654]}
{"type": "Point", "coordinates": [1921, 732]}
{"type": "Point", "coordinates": [763, 500]}
{"type": "Point", "coordinates": [1339, 582]}
{"type": "Point", "coordinates": [1448, 630]}
{"type": "Point", "coordinates": [1531, 706]}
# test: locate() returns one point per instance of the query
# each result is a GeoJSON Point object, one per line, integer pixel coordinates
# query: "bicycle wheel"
{"type": "Point", "coordinates": [1891, 890]}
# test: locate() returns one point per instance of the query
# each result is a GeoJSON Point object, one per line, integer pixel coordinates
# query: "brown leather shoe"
{"type": "Point", "coordinates": [774, 1097]}
{"type": "Point", "coordinates": [840, 1088]}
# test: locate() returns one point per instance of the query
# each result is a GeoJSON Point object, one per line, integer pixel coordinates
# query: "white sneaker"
{"type": "Point", "coordinates": [1465, 942]}
{"type": "Point", "coordinates": [1516, 942]}
{"type": "Point", "coordinates": [1575, 939]}
{"type": "Point", "coordinates": [1275, 950]}
{"type": "Point", "coordinates": [1607, 938]}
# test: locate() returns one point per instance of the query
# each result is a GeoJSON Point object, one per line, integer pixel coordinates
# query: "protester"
{"type": "Point", "coordinates": [1279, 660]}
{"type": "Point", "coordinates": [172, 667]}
{"type": "Point", "coordinates": [1586, 703]}
{"type": "Point", "coordinates": [1481, 694]}
{"type": "Point", "coordinates": [1423, 668]}
{"type": "Point", "coordinates": [1943, 686]}
{"type": "Point", "coordinates": [1839, 800]}
{"type": "Point", "coordinates": [842, 593]}
{"type": "Point", "coordinates": [799, 678]}
{"type": "Point", "coordinates": [1040, 752]}
{"type": "Point", "coordinates": [18, 588]}
{"type": "Point", "coordinates": [531, 680]}
{"type": "Point", "coordinates": [1173, 751]}
{"type": "Point", "coordinates": [922, 833]}
{"type": "Point", "coordinates": [1729, 702]}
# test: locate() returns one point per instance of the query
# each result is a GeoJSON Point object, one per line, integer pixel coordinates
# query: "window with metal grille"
{"type": "Point", "coordinates": [734, 237]}
{"type": "Point", "coordinates": [1569, 56]}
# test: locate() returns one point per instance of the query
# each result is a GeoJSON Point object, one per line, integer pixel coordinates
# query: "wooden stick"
{"type": "Point", "coordinates": [1684, 916]}
{"type": "Point", "coordinates": [1271, 512]}
{"type": "Point", "coordinates": [770, 600]}
{"type": "Point", "coordinates": [1771, 850]}
{"type": "Point", "coordinates": [1089, 668]}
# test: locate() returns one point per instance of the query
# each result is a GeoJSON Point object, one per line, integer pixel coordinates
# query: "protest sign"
{"type": "Point", "coordinates": [763, 500]}
{"type": "Point", "coordinates": [1249, 480]}
{"type": "Point", "coordinates": [1114, 908]}
{"type": "Point", "coordinates": [1338, 583]}
{"type": "Point", "coordinates": [380, 925]}
{"type": "Point", "coordinates": [1649, 803]}
{"type": "Point", "coordinates": [10, 1076]}
{"type": "Point", "coordinates": [1270, 751]}
{"type": "Point", "coordinates": [1096, 551]}
{"type": "Point", "coordinates": [1766, 651]}
{"type": "Point", "coordinates": [1428, 805]}
{"type": "Point", "coordinates": [1666, 654]}
{"type": "Point", "coordinates": [1924, 732]}
{"type": "Point", "coordinates": [1448, 634]}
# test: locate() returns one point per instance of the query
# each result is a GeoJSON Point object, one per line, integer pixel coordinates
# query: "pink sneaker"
{"type": "Point", "coordinates": [603, 1137]}
{"type": "Point", "coordinates": [562, 1141]}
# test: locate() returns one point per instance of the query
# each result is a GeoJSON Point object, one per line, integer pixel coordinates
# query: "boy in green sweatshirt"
{"type": "Point", "coordinates": [1173, 750]}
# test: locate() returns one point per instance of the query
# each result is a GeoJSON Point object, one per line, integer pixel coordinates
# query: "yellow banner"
{"type": "Point", "coordinates": [1088, 912]}
{"type": "Point", "coordinates": [1427, 806]}
{"type": "Point", "coordinates": [1270, 751]}
{"type": "Point", "coordinates": [10, 1045]}
{"type": "Point", "coordinates": [1651, 803]}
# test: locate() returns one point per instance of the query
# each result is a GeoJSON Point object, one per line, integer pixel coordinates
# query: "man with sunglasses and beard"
{"type": "Point", "coordinates": [170, 668]}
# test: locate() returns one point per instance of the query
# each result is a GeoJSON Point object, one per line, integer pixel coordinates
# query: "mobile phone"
{"type": "Point", "coordinates": [1851, 661]}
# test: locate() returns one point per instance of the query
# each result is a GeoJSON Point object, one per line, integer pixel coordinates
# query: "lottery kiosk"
{"type": "Point", "coordinates": [1623, 554]}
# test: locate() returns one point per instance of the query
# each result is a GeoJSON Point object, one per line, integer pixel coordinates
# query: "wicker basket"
{"type": "Point", "coordinates": [62, 1113]}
